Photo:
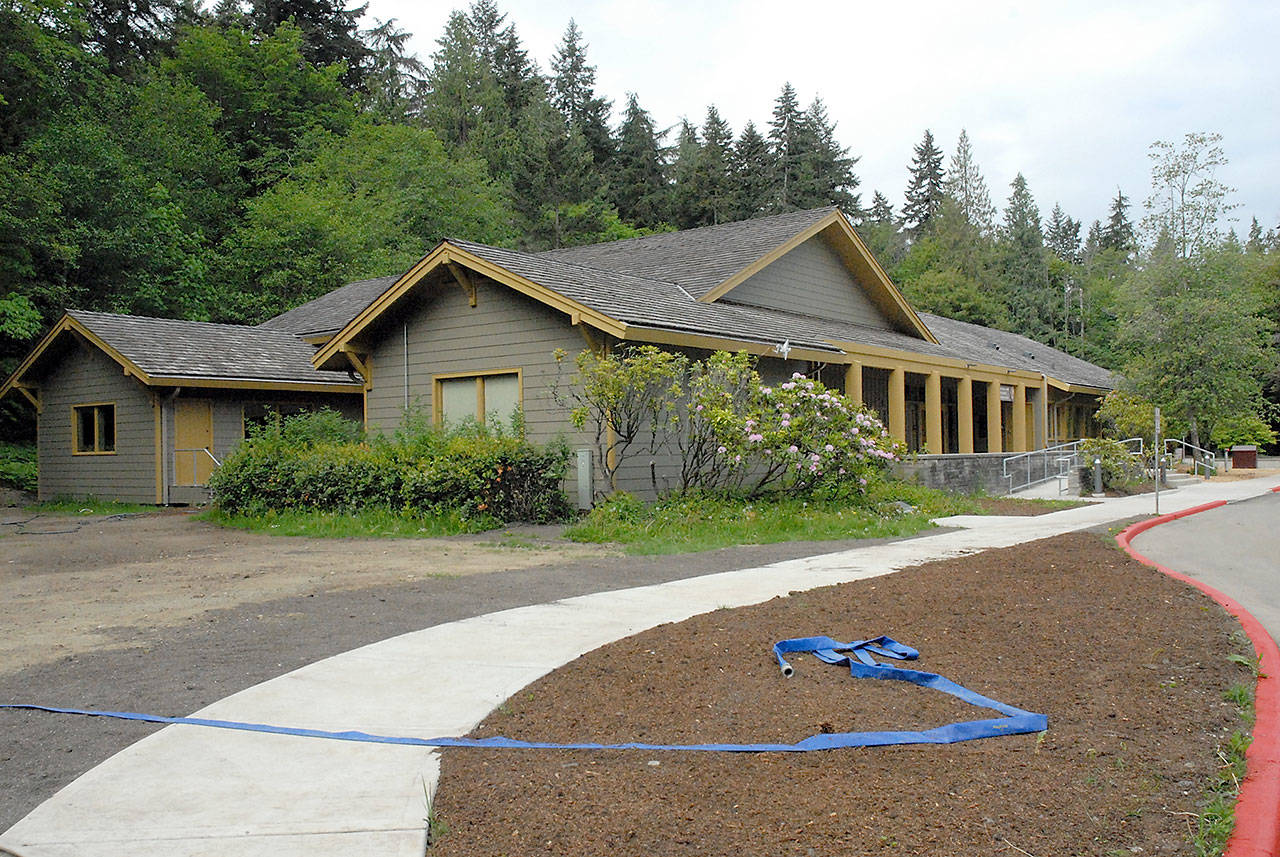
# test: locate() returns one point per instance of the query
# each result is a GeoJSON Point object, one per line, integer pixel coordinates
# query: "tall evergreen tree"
{"type": "Point", "coordinates": [825, 174]}
{"type": "Point", "coordinates": [924, 190]}
{"type": "Point", "coordinates": [1032, 304]}
{"type": "Point", "coordinates": [128, 33]}
{"type": "Point", "coordinates": [1062, 235]}
{"type": "Point", "coordinates": [753, 168]}
{"type": "Point", "coordinates": [881, 211]}
{"type": "Point", "coordinates": [965, 185]}
{"type": "Point", "coordinates": [1118, 234]}
{"type": "Point", "coordinates": [501, 51]}
{"type": "Point", "coordinates": [787, 130]}
{"type": "Point", "coordinates": [463, 104]}
{"type": "Point", "coordinates": [330, 32]}
{"type": "Point", "coordinates": [685, 203]}
{"type": "Point", "coordinates": [638, 188]}
{"type": "Point", "coordinates": [713, 177]}
{"type": "Point", "coordinates": [574, 95]}
{"type": "Point", "coordinates": [395, 80]}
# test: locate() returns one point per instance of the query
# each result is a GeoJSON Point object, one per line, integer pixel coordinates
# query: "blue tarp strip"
{"type": "Point", "coordinates": [861, 665]}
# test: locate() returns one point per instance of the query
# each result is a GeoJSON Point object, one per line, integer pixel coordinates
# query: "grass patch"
{"type": "Point", "coordinates": [365, 524]}
{"type": "Point", "coordinates": [89, 507]}
{"type": "Point", "coordinates": [1218, 818]}
{"type": "Point", "coordinates": [18, 466]}
{"type": "Point", "coordinates": [696, 522]}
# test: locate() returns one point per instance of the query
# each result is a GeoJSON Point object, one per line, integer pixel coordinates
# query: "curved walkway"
{"type": "Point", "coordinates": [194, 791]}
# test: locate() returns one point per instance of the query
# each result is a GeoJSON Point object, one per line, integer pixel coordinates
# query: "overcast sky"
{"type": "Point", "coordinates": [1070, 94]}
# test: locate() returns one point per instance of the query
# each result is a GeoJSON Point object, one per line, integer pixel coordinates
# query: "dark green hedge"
{"type": "Point", "coordinates": [312, 462]}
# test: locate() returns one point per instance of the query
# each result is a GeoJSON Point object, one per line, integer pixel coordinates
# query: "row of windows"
{"type": "Point", "coordinates": [93, 426]}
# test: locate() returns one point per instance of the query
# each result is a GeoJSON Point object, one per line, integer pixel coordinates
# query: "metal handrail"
{"type": "Point", "coordinates": [1066, 457]}
{"type": "Point", "coordinates": [194, 454]}
{"type": "Point", "coordinates": [1061, 455]}
{"type": "Point", "coordinates": [1199, 455]}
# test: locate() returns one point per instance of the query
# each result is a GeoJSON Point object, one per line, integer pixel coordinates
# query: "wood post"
{"type": "Point", "coordinates": [898, 404]}
{"type": "Point", "coordinates": [933, 413]}
{"type": "Point", "coordinates": [964, 414]}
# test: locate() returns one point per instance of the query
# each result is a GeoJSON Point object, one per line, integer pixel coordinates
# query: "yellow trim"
{"type": "Point", "coordinates": [75, 429]}
{"type": "Point", "coordinates": [855, 254]}
{"type": "Point", "coordinates": [719, 343]}
{"type": "Point", "coordinates": [446, 254]}
{"type": "Point", "coordinates": [158, 411]}
{"type": "Point", "coordinates": [242, 384]}
{"type": "Point", "coordinates": [437, 411]}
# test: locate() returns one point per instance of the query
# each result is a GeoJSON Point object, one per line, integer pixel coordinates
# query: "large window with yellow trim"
{"type": "Point", "coordinates": [477, 396]}
{"type": "Point", "coordinates": [93, 428]}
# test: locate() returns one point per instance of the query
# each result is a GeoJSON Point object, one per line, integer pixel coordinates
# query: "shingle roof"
{"type": "Point", "coordinates": [643, 302]}
{"type": "Point", "coordinates": [169, 348]}
{"type": "Point", "coordinates": [330, 312]}
{"type": "Point", "coordinates": [697, 260]}
{"type": "Point", "coordinates": [976, 343]}
{"type": "Point", "coordinates": [646, 303]}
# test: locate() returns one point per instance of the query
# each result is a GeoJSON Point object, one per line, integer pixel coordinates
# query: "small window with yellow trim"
{"type": "Point", "coordinates": [492, 395]}
{"type": "Point", "coordinates": [93, 429]}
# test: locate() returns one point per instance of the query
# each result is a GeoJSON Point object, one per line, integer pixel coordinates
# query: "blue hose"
{"type": "Point", "coordinates": [860, 662]}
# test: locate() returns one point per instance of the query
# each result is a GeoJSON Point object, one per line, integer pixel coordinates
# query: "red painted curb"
{"type": "Point", "coordinates": [1257, 829]}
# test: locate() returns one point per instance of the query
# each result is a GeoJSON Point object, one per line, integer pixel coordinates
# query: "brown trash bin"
{"type": "Point", "coordinates": [1245, 456]}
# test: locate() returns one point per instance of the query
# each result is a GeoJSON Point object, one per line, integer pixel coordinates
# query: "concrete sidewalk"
{"type": "Point", "coordinates": [189, 790]}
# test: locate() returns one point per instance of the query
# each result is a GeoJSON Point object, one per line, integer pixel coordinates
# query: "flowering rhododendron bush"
{"type": "Point", "coordinates": [732, 431]}
{"type": "Point", "coordinates": [798, 435]}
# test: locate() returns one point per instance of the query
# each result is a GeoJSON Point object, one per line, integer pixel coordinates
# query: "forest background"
{"type": "Point", "coordinates": [227, 163]}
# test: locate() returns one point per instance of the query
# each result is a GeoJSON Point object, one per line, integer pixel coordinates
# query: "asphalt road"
{"type": "Point", "coordinates": [1234, 548]}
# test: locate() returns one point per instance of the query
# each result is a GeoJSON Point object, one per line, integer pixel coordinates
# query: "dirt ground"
{"type": "Point", "coordinates": [1129, 666]}
{"type": "Point", "coordinates": [152, 571]}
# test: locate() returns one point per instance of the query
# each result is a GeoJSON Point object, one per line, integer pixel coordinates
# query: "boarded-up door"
{"type": "Point", "coordinates": [192, 441]}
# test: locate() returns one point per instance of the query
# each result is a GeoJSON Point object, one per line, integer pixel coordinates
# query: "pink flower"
{"type": "Point", "coordinates": [793, 448]}
{"type": "Point", "coordinates": [722, 450]}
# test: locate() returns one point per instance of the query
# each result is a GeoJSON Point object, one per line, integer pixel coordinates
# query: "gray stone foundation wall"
{"type": "Point", "coordinates": [982, 471]}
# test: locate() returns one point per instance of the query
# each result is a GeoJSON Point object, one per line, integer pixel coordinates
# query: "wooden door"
{"type": "Point", "coordinates": [192, 441]}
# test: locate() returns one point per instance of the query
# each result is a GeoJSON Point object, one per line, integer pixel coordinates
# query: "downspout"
{"type": "Point", "coordinates": [166, 408]}
{"type": "Point", "coordinates": [406, 367]}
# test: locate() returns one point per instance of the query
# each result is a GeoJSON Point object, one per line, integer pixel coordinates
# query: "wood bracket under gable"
{"type": "Point", "coordinates": [464, 280]}
{"type": "Point", "coordinates": [32, 395]}
{"type": "Point", "coordinates": [362, 363]}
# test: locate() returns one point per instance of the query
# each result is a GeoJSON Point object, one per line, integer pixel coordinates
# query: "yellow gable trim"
{"type": "Point", "coordinates": [446, 254]}
{"type": "Point", "coordinates": [856, 256]}
{"type": "Point", "coordinates": [68, 324]}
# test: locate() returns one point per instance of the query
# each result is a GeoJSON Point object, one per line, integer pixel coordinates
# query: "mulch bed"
{"type": "Point", "coordinates": [1128, 664]}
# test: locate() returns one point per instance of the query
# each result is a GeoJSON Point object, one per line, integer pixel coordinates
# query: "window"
{"type": "Point", "coordinates": [487, 396]}
{"type": "Point", "coordinates": [93, 429]}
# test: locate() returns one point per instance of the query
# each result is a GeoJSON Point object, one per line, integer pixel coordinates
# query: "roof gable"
{"type": "Point", "coordinates": [812, 279]}
{"type": "Point", "coordinates": [161, 351]}
{"type": "Point", "coordinates": [697, 260]}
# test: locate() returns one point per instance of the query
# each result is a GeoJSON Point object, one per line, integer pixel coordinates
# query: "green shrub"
{"type": "Point", "coordinates": [316, 463]}
{"type": "Point", "coordinates": [1119, 467]}
{"type": "Point", "coordinates": [18, 466]}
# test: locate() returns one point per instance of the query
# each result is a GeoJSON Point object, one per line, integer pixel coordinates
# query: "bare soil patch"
{"type": "Point", "coordinates": [84, 584]}
{"type": "Point", "coordinates": [1128, 664]}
